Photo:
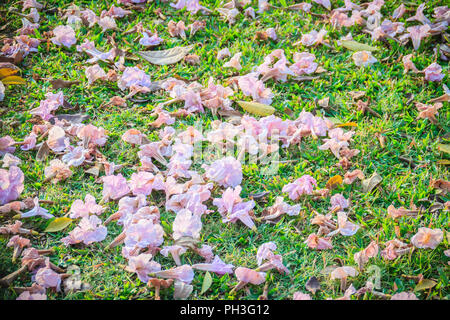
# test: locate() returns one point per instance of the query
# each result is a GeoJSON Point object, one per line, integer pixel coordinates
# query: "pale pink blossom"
{"type": "Point", "coordinates": [345, 227]}
{"type": "Point", "coordinates": [263, 5]}
{"type": "Point", "coordinates": [134, 136]}
{"type": "Point", "coordinates": [234, 62]}
{"type": "Point", "coordinates": [47, 278]}
{"type": "Point", "coordinates": [205, 252]}
{"type": "Point", "coordinates": [76, 156]}
{"type": "Point", "coordinates": [417, 33]}
{"type": "Point", "coordinates": [303, 63]}
{"type": "Point", "coordinates": [227, 172]}
{"type": "Point", "coordinates": [7, 145]}
{"type": "Point", "coordinates": [88, 231]}
{"type": "Point", "coordinates": [57, 171]}
{"type": "Point", "coordinates": [192, 6]}
{"type": "Point", "coordinates": [47, 106]}
{"type": "Point", "coordinates": [272, 33]}
{"type": "Point", "coordinates": [144, 182]}
{"type": "Point", "coordinates": [250, 13]}
{"type": "Point", "coordinates": [427, 238]}
{"type": "Point", "coordinates": [433, 72]}
{"type": "Point", "coordinates": [94, 73]}
{"type": "Point", "coordinates": [64, 36]}
{"type": "Point", "coordinates": [301, 296]}
{"type": "Point", "coordinates": [107, 23]}
{"type": "Point", "coordinates": [313, 38]}
{"type": "Point", "coordinates": [363, 58]}
{"type": "Point", "coordinates": [362, 257]}
{"type": "Point", "coordinates": [223, 54]}
{"type": "Point", "coordinates": [339, 202]}
{"type": "Point", "coordinates": [182, 273]}
{"type": "Point", "coordinates": [279, 208]}
{"type": "Point", "coordinates": [428, 111]}
{"type": "Point", "coordinates": [303, 185]}
{"type": "Point", "coordinates": [144, 234]}
{"type": "Point", "coordinates": [142, 265]}
{"type": "Point", "coordinates": [29, 142]}
{"type": "Point", "coordinates": [251, 86]}
{"type": "Point", "coordinates": [117, 12]}
{"type": "Point", "coordinates": [404, 296]}
{"type": "Point", "coordinates": [274, 67]}
{"type": "Point", "coordinates": [80, 209]}
{"type": "Point", "coordinates": [26, 4]}
{"type": "Point", "coordinates": [325, 3]}
{"type": "Point", "coordinates": [114, 187]}
{"type": "Point", "coordinates": [351, 176]}
{"type": "Point", "coordinates": [163, 118]}
{"type": "Point", "coordinates": [92, 135]}
{"type": "Point", "coordinates": [177, 29]}
{"type": "Point", "coordinates": [399, 12]}
{"type": "Point", "coordinates": [175, 251]}
{"type": "Point", "coordinates": [217, 266]}
{"type": "Point", "coordinates": [11, 184]}
{"type": "Point", "coordinates": [133, 76]}
{"type": "Point", "coordinates": [315, 242]}
{"type": "Point", "coordinates": [10, 161]}
{"type": "Point", "coordinates": [150, 39]}
{"type": "Point", "coordinates": [36, 293]}
{"type": "Point", "coordinates": [343, 272]}
{"type": "Point", "coordinates": [419, 16]}
{"type": "Point", "coordinates": [229, 199]}
{"type": "Point", "coordinates": [186, 224]}
{"type": "Point", "coordinates": [37, 210]}
{"type": "Point", "coordinates": [246, 275]}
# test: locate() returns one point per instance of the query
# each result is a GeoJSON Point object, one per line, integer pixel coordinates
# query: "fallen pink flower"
{"type": "Point", "coordinates": [142, 265]}
{"type": "Point", "coordinates": [303, 185]}
{"type": "Point", "coordinates": [427, 238]}
{"type": "Point", "coordinates": [80, 209]}
{"type": "Point", "coordinates": [64, 36]}
{"type": "Point", "coordinates": [183, 273]}
{"type": "Point", "coordinates": [433, 72]}
{"type": "Point", "coordinates": [88, 231]}
{"type": "Point", "coordinates": [114, 187]}
{"type": "Point", "coordinates": [315, 242]}
{"type": "Point", "coordinates": [217, 266]}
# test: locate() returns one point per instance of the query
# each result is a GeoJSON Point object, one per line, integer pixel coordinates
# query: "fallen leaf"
{"type": "Point", "coordinates": [444, 148]}
{"type": "Point", "coordinates": [425, 284]}
{"type": "Point", "coordinates": [60, 83]}
{"type": "Point", "coordinates": [369, 184]}
{"type": "Point", "coordinates": [58, 224]}
{"type": "Point", "coordinates": [43, 152]}
{"type": "Point", "coordinates": [256, 108]}
{"type": "Point", "coordinates": [347, 124]}
{"type": "Point", "coordinates": [356, 46]}
{"type": "Point", "coordinates": [312, 285]}
{"type": "Point", "coordinates": [334, 181]}
{"type": "Point", "coordinates": [13, 80]}
{"type": "Point", "coordinates": [73, 118]}
{"type": "Point", "coordinates": [207, 281]}
{"type": "Point", "coordinates": [8, 69]}
{"type": "Point", "coordinates": [165, 57]}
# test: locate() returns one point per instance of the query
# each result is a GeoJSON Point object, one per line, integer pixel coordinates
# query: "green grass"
{"type": "Point", "coordinates": [385, 84]}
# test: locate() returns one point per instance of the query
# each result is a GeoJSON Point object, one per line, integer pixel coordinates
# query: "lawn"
{"type": "Point", "coordinates": [402, 148]}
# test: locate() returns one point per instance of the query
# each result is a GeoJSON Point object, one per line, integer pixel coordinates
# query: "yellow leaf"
{"type": "Point", "coordinates": [444, 162]}
{"type": "Point", "coordinates": [444, 148]}
{"type": "Point", "coordinates": [256, 108]}
{"type": "Point", "coordinates": [7, 69]}
{"type": "Point", "coordinates": [425, 284]}
{"type": "Point", "coordinates": [58, 224]}
{"type": "Point", "coordinates": [334, 181]}
{"type": "Point", "coordinates": [356, 46]}
{"type": "Point", "coordinates": [13, 80]}
{"type": "Point", "coordinates": [347, 124]}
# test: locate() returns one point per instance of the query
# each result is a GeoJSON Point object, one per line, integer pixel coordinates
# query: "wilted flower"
{"type": "Point", "coordinates": [57, 171]}
{"type": "Point", "coordinates": [234, 62]}
{"type": "Point", "coordinates": [37, 211]}
{"type": "Point", "coordinates": [246, 275]}
{"type": "Point", "coordinates": [7, 145]}
{"type": "Point", "coordinates": [251, 86]}
{"type": "Point", "coordinates": [142, 265]}
{"type": "Point", "coordinates": [404, 296]}
{"type": "Point", "coordinates": [315, 242]}
{"type": "Point", "coordinates": [183, 273]}
{"type": "Point", "coordinates": [303, 185]}
{"type": "Point", "coordinates": [417, 33]}
{"type": "Point", "coordinates": [362, 257]}
{"type": "Point", "coordinates": [312, 38]}
{"type": "Point", "coordinates": [433, 72]}
{"type": "Point", "coordinates": [338, 202]}
{"type": "Point", "coordinates": [303, 63]}
{"type": "Point", "coordinates": [47, 278]}
{"type": "Point", "coordinates": [94, 73]}
{"type": "Point", "coordinates": [89, 230]}
{"type": "Point", "coordinates": [427, 238]}
{"type": "Point", "coordinates": [75, 157]}
{"type": "Point", "coordinates": [216, 266]}
{"type": "Point", "coordinates": [428, 111]}
{"type": "Point", "coordinates": [363, 58]}
{"type": "Point", "coordinates": [64, 36]}
{"type": "Point", "coordinates": [177, 29]}
{"type": "Point", "coordinates": [175, 251]}
{"type": "Point", "coordinates": [92, 135]}
{"type": "Point", "coordinates": [107, 23]}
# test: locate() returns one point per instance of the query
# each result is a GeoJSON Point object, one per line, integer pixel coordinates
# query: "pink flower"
{"type": "Point", "coordinates": [11, 184]}
{"type": "Point", "coordinates": [47, 278]}
{"type": "Point", "coordinates": [362, 257]}
{"type": "Point", "coordinates": [205, 252]}
{"type": "Point", "coordinates": [107, 23]}
{"type": "Point", "coordinates": [92, 135]}
{"type": "Point", "coordinates": [427, 238]}
{"type": "Point", "coordinates": [31, 4]}
{"type": "Point", "coordinates": [265, 251]}
{"type": "Point", "coordinates": [433, 72]}
{"type": "Point", "coordinates": [134, 136]}
{"type": "Point", "coordinates": [272, 34]}
{"type": "Point", "coordinates": [186, 224]}
{"type": "Point", "coordinates": [192, 6]}
{"type": "Point", "coordinates": [10, 161]}
{"type": "Point", "coordinates": [234, 62]}
{"type": "Point", "coordinates": [279, 208]}
{"type": "Point", "coordinates": [177, 29]}
{"type": "Point", "coordinates": [89, 230]}
{"type": "Point", "coordinates": [190, 135]}
{"type": "Point", "coordinates": [345, 227]}
{"type": "Point", "coordinates": [303, 185]}
{"type": "Point", "coordinates": [144, 182]}
{"type": "Point", "coordinates": [250, 276]}
{"type": "Point", "coordinates": [325, 3]}
{"type": "Point", "coordinates": [57, 140]}
{"type": "Point", "coordinates": [275, 67]}
{"type": "Point", "coordinates": [37, 211]}
{"type": "Point", "coordinates": [142, 265]}
{"type": "Point", "coordinates": [229, 199]}
{"type": "Point", "coordinates": [315, 242]}
{"type": "Point", "coordinates": [29, 142]}
{"type": "Point", "coordinates": [36, 293]}
{"type": "Point", "coordinates": [417, 33]}
{"type": "Point", "coordinates": [57, 171]}
{"type": "Point", "coordinates": [175, 251]}
{"type": "Point", "coordinates": [404, 296]}
{"type": "Point", "coordinates": [301, 296]}
{"type": "Point", "coordinates": [250, 13]}
{"type": "Point", "coordinates": [216, 266]}
{"type": "Point", "coordinates": [419, 16]}
{"type": "Point", "coordinates": [312, 38]}
{"type": "Point", "coordinates": [351, 176]}
{"type": "Point", "coordinates": [150, 40]}
{"type": "Point", "coordinates": [399, 12]}
{"type": "Point", "coordinates": [227, 172]}
{"type": "Point", "coordinates": [94, 73]}
{"type": "Point", "coordinates": [117, 12]}
{"type": "Point", "coordinates": [223, 54]}
{"type": "Point", "coordinates": [64, 36]}
{"type": "Point", "coordinates": [338, 202]}
{"type": "Point", "coordinates": [363, 58]}
{"type": "Point", "coordinates": [163, 118]}
{"type": "Point", "coordinates": [76, 157]}
{"type": "Point", "coordinates": [7, 145]}
{"type": "Point", "coordinates": [343, 272]}
{"type": "Point", "coordinates": [144, 234]}
{"type": "Point", "coordinates": [304, 63]}
{"type": "Point", "coordinates": [80, 209]}
{"type": "Point", "coordinates": [114, 187]}
{"type": "Point", "coordinates": [133, 76]}
{"type": "Point", "coordinates": [251, 86]}
{"type": "Point", "coordinates": [428, 111]}
{"type": "Point", "coordinates": [183, 273]}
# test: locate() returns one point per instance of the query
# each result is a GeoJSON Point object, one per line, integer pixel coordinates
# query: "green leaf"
{"type": "Point", "coordinates": [356, 46]}
{"type": "Point", "coordinates": [207, 281]}
{"type": "Point", "coordinates": [58, 224]}
{"type": "Point", "coordinates": [256, 108]}
{"type": "Point", "coordinates": [444, 148]}
{"type": "Point", "coordinates": [425, 284]}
